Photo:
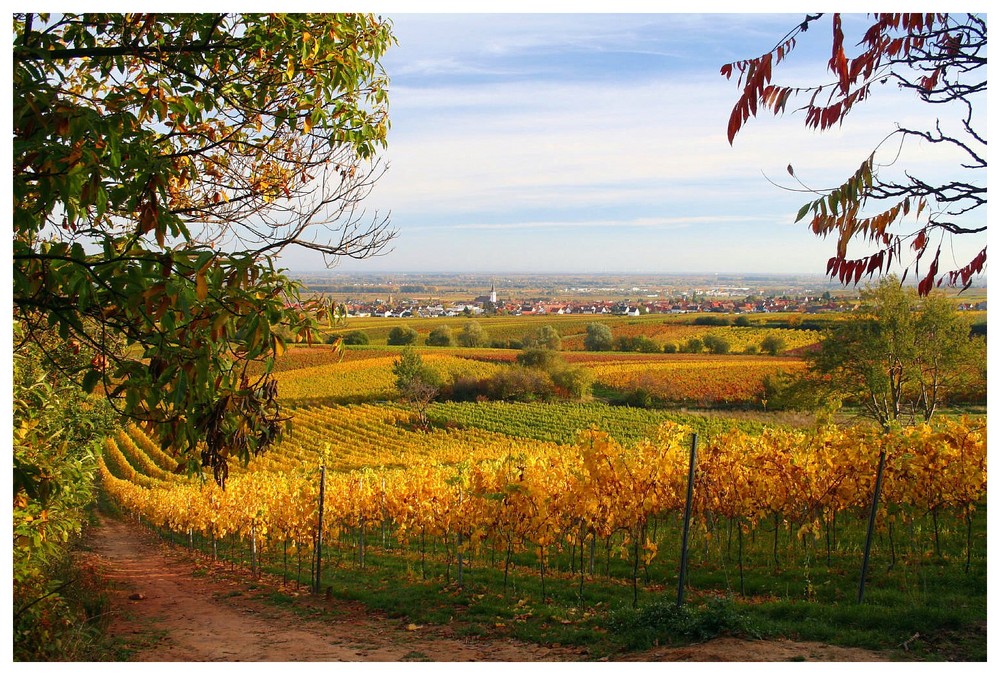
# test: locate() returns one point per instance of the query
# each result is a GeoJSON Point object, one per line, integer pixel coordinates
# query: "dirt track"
{"type": "Point", "coordinates": [167, 606]}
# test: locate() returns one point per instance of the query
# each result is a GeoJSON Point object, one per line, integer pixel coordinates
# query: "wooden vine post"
{"type": "Point", "coordinates": [682, 577]}
{"type": "Point", "coordinates": [319, 531]}
{"type": "Point", "coordinates": [871, 524]}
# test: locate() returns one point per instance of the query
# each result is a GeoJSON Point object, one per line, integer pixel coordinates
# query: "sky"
{"type": "Point", "coordinates": [597, 143]}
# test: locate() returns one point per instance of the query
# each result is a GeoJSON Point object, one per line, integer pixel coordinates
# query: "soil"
{"type": "Point", "coordinates": [170, 605]}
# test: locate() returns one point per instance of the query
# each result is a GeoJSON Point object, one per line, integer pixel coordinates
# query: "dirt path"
{"type": "Point", "coordinates": [167, 606]}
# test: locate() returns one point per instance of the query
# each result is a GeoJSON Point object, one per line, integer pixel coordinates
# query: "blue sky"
{"type": "Point", "coordinates": [597, 143]}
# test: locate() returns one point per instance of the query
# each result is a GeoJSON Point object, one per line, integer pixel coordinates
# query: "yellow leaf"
{"type": "Point", "coordinates": [201, 285]}
{"type": "Point", "coordinates": [279, 345]}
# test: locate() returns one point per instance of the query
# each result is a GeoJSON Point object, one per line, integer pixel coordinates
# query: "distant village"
{"type": "Point", "coordinates": [490, 304]}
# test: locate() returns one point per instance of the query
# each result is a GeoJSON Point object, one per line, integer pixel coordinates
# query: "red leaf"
{"type": "Point", "coordinates": [925, 286]}
{"type": "Point", "coordinates": [858, 271]}
{"type": "Point", "coordinates": [831, 266]}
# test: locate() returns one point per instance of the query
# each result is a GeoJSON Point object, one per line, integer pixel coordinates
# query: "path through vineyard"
{"type": "Point", "coordinates": [168, 605]}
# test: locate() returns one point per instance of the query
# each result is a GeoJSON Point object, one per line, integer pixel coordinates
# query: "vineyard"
{"type": "Point", "coordinates": [575, 504]}
{"type": "Point", "coordinates": [508, 503]}
{"type": "Point", "coordinates": [466, 504]}
{"type": "Point", "coordinates": [563, 422]}
{"type": "Point", "coordinates": [698, 380]}
{"type": "Point", "coordinates": [365, 379]}
{"type": "Point", "coordinates": [321, 375]}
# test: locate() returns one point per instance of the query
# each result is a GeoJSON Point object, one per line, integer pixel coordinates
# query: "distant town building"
{"type": "Point", "coordinates": [487, 301]}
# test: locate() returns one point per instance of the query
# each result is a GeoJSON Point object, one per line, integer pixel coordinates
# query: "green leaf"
{"type": "Point", "coordinates": [90, 380]}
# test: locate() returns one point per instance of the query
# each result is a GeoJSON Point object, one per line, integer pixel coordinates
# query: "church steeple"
{"type": "Point", "coordinates": [493, 293]}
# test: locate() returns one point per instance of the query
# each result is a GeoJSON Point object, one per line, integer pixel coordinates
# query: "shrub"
{"type": "Point", "coordinates": [417, 383]}
{"type": "Point", "coordinates": [468, 389]}
{"type": "Point", "coordinates": [773, 344]}
{"type": "Point", "coordinates": [639, 398]}
{"type": "Point", "coordinates": [624, 343]}
{"type": "Point", "coordinates": [440, 337]}
{"type": "Point", "coordinates": [573, 381]}
{"type": "Point", "coordinates": [356, 337]}
{"type": "Point", "coordinates": [402, 335]}
{"type": "Point", "coordinates": [506, 344]}
{"type": "Point", "coordinates": [411, 372]}
{"type": "Point", "coordinates": [670, 348]}
{"type": "Point", "coordinates": [57, 434]}
{"type": "Point", "coordinates": [711, 321]}
{"type": "Point", "coordinates": [472, 335]}
{"type": "Point", "coordinates": [638, 343]}
{"type": "Point", "coordinates": [694, 346]}
{"type": "Point", "coordinates": [664, 621]}
{"type": "Point", "coordinates": [536, 357]}
{"type": "Point", "coordinates": [545, 337]}
{"type": "Point", "coordinates": [742, 321]}
{"type": "Point", "coordinates": [598, 338]}
{"type": "Point", "coordinates": [648, 345]}
{"type": "Point", "coordinates": [716, 344]}
{"type": "Point", "coordinates": [784, 391]}
{"type": "Point", "coordinates": [518, 383]}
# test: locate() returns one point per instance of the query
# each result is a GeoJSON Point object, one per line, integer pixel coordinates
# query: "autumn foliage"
{"type": "Point", "coordinates": [488, 491]}
{"type": "Point", "coordinates": [936, 56]}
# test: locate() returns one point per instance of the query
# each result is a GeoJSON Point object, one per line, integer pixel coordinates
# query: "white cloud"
{"type": "Point", "coordinates": [525, 144]}
{"type": "Point", "coordinates": [658, 223]}
{"type": "Point", "coordinates": [503, 150]}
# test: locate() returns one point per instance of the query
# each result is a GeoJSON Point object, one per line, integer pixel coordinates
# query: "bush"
{"type": "Point", "coordinates": [356, 337]}
{"type": "Point", "coordinates": [784, 391]}
{"type": "Point", "coordinates": [518, 383]}
{"type": "Point", "coordinates": [468, 389]}
{"type": "Point", "coordinates": [694, 346]}
{"type": "Point", "coordinates": [57, 434]}
{"type": "Point", "coordinates": [639, 398]}
{"type": "Point", "coordinates": [506, 344]}
{"type": "Point", "coordinates": [742, 321]}
{"type": "Point", "coordinates": [711, 321]}
{"type": "Point", "coordinates": [624, 343]}
{"type": "Point", "coordinates": [648, 346]}
{"type": "Point", "coordinates": [598, 338]}
{"type": "Point", "coordinates": [664, 621]}
{"type": "Point", "coordinates": [472, 335]}
{"type": "Point", "coordinates": [536, 357]}
{"type": "Point", "coordinates": [440, 337]}
{"type": "Point", "coordinates": [716, 344]}
{"type": "Point", "coordinates": [545, 337]}
{"type": "Point", "coordinates": [639, 343]}
{"type": "Point", "coordinates": [670, 348]}
{"type": "Point", "coordinates": [573, 381]}
{"type": "Point", "coordinates": [402, 335]}
{"type": "Point", "coordinates": [773, 344]}
{"type": "Point", "coordinates": [411, 372]}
